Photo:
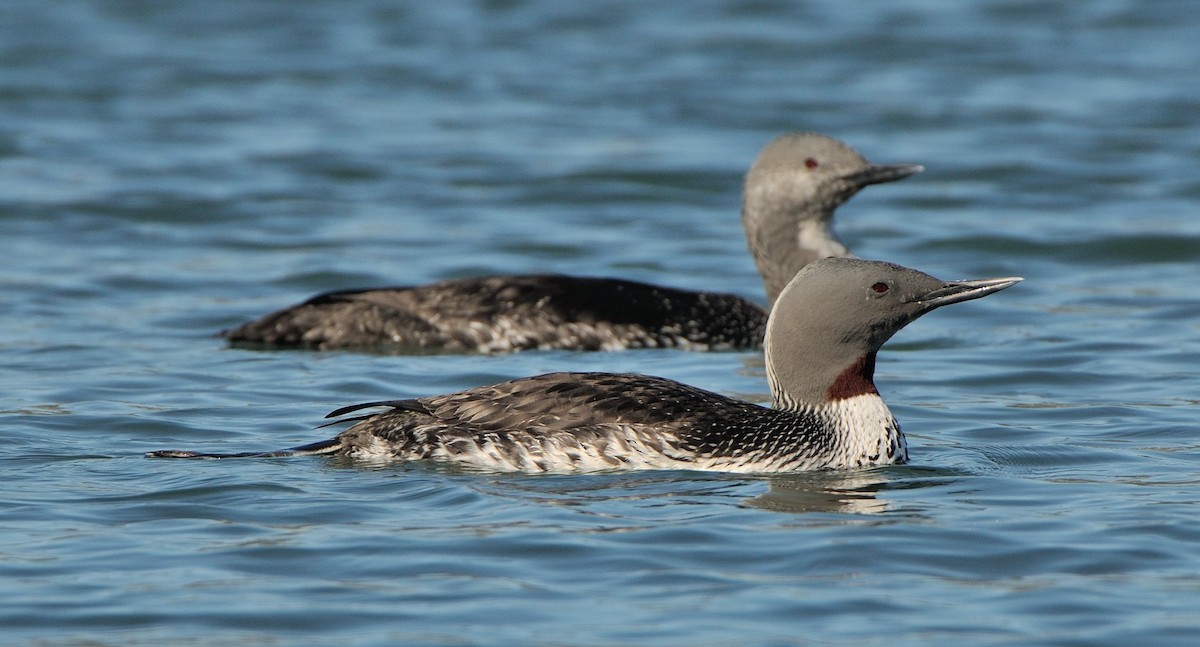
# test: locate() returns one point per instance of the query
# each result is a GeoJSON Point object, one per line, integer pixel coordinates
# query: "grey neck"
{"type": "Point", "coordinates": [803, 375]}
{"type": "Point", "coordinates": [818, 347]}
{"type": "Point", "coordinates": [783, 242]}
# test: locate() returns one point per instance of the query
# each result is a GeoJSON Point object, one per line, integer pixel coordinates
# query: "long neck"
{"type": "Point", "coordinates": [814, 379]}
{"type": "Point", "coordinates": [783, 242]}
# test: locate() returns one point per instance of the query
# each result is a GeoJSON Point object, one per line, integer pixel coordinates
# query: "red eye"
{"type": "Point", "coordinates": [880, 287]}
{"type": "Point", "coordinates": [811, 163]}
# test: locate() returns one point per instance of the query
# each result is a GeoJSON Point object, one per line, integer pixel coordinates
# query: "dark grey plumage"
{"type": "Point", "coordinates": [790, 195]}
{"type": "Point", "coordinates": [821, 341]}
{"type": "Point", "coordinates": [513, 313]}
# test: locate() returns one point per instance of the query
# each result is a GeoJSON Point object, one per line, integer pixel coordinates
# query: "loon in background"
{"type": "Point", "coordinates": [789, 198]}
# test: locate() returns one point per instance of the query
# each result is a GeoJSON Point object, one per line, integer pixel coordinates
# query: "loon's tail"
{"type": "Point", "coordinates": [331, 446]}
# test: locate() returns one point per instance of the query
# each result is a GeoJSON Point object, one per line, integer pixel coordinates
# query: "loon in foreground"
{"type": "Point", "coordinates": [822, 338]}
{"type": "Point", "coordinates": [789, 198]}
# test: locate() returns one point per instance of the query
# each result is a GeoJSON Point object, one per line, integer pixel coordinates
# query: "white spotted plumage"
{"type": "Point", "coordinates": [876, 440]}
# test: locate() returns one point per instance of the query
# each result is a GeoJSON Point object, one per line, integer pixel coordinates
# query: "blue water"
{"type": "Point", "coordinates": [171, 169]}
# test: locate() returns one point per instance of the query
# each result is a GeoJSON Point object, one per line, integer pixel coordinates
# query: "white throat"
{"type": "Point", "coordinates": [866, 432]}
{"type": "Point", "coordinates": [819, 239]}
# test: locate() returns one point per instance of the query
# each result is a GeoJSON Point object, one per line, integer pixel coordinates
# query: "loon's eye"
{"type": "Point", "coordinates": [880, 287]}
{"type": "Point", "coordinates": [811, 163]}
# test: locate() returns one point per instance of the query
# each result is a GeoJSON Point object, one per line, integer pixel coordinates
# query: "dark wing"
{"type": "Point", "coordinates": [566, 401]}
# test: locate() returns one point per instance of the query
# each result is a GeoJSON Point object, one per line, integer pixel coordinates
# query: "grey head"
{"type": "Point", "coordinates": [834, 316]}
{"type": "Point", "coordinates": [789, 197]}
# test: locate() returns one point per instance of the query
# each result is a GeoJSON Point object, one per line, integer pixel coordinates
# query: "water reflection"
{"type": "Point", "coordinates": [839, 492]}
{"type": "Point", "coordinates": [843, 492]}
{"type": "Point", "coordinates": [849, 492]}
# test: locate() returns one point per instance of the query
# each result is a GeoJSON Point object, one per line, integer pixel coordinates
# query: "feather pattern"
{"type": "Point", "coordinates": [561, 422]}
{"type": "Point", "coordinates": [512, 313]}
{"type": "Point", "coordinates": [820, 349]}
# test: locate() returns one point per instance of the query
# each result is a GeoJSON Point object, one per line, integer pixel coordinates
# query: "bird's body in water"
{"type": "Point", "coordinates": [821, 342]}
{"type": "Point", "coordinates": [789, 198]}
{"type": "Point", "coordinates": [511, 313]}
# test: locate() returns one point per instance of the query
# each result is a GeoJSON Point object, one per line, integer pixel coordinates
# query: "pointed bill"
{"type": "Point", "coordinates": [957, 291]}
{"type": "Point", "coordinates": [880, 173]}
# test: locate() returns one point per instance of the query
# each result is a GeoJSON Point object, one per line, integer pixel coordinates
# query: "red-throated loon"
{"type": "Point", "coordinates": [789, 198]}
{"type": "Point", "coordinates": [824, 332]}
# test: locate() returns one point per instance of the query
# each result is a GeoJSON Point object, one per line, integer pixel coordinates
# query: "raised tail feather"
{"type": "Point", "coordinates": [409, 405]}
{"type": "Point", "coordinates": [331, 446]}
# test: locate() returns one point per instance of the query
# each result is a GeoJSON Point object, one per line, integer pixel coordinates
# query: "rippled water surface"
{"type": "Point", "coordinates": [171, 169]}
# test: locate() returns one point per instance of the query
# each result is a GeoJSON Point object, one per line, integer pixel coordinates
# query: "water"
{"type": "Point", "coordinates": [170, 169]}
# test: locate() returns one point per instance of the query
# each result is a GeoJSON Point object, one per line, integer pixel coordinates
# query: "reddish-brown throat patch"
{"type": "Point", "coordinates": [857, 379]}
